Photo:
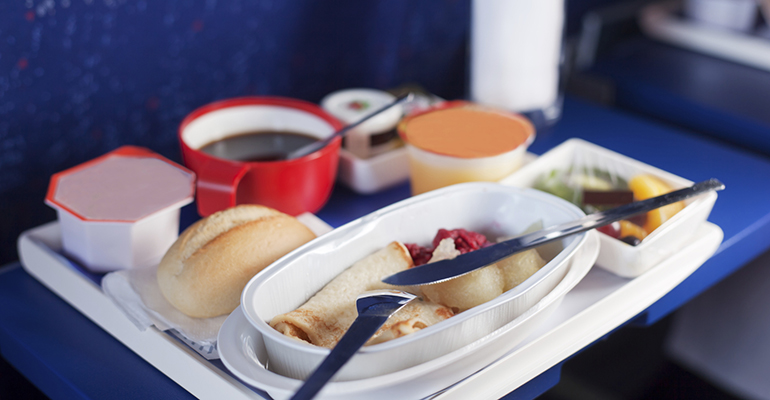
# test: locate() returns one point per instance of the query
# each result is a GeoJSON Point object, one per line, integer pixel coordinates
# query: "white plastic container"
{"type": "Point", "coordinates": [385, 165]}
{"type": "Point", "coordinates": [376, 173]}
{"type": "Point", "coordinates": [492, 209]}
{"type": "Point", "coordinates": [445, 153]}
{"type": "Point", "coordinates": [375, 136]}
{"type": "Point", "coordinates": [664, 21]}
{"type": "Point", "coordinates": [617, 256]}
{"type": "Point", "coordinates": [430, 170]}
{"type": "Point", "coordinates": [120, 210]}
{"type": "Point", "coordinates": [515, 55]}
{"type": "Point", "coordinates": [738, 15]}
{"type": "Point", "coordinates": [373, 157]}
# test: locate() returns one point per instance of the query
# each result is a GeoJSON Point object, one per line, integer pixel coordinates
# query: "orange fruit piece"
{"type": "Point", "coordinates": [646, 186]}
{"type": "Point", "coordinates": [628, 228]}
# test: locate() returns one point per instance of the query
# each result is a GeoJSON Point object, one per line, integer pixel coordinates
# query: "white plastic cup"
{"type": "Point", "coordinates": [120, 210]}
{"type": "Point", "coordinates": [516, 56]}
{"type": "Point", "coordinates": [431, 168]}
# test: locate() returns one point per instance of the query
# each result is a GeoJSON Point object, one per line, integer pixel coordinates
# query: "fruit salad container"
{"type": "Point", "coordinates": [595, 178]}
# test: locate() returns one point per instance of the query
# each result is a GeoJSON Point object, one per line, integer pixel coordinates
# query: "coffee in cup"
{"type": "Point", "coordinates": [237, 148]}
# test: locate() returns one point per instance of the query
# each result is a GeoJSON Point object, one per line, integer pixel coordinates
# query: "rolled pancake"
{"type": "Point", "coordinates": [326, 316]}
{"type": "Point", "coordinates": [482, 285]}
{"type": "Point", "coordinates": [519, 267]}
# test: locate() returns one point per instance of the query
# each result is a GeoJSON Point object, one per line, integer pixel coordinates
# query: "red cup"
{"type": "Point", "coordinates": [291, 186]}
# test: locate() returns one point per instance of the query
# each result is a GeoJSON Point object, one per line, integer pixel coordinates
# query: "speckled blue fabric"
{"type": "Point", "coordinates": [79, 78]}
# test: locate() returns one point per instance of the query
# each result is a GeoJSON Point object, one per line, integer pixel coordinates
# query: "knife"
{"type": "Point", "coordinates": [447, 269]}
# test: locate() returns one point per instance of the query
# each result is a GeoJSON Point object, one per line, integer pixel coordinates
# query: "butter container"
{"type": "Point", "coordinates": [373, 157]}
{"type": "Point", "coordinates": [375, 136]}
{"type": "Point", "coordinates": [120, 210]}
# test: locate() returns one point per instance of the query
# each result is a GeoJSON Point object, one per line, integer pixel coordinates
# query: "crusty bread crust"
{"type": "Point", "coordinates": [206, 269]}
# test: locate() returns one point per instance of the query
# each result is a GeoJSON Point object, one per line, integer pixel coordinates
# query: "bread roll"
{"type": "Point", "coordinates": [206, 269]}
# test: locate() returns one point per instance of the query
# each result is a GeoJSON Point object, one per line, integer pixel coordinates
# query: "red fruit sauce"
{"type": "Point", "coordinates": [465, 241]}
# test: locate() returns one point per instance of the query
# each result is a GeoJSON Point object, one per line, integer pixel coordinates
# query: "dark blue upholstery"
{"type": "Point", "coordinates": [79, 78]}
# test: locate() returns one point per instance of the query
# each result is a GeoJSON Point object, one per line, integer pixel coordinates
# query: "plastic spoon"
{"type": "Point", "coordinates": [305, 150]}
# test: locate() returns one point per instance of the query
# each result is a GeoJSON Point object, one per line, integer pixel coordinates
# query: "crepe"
{"type": "Point", "coordinates": [326, 316]}
{"type": "Point", "coordinates": [478, 287]}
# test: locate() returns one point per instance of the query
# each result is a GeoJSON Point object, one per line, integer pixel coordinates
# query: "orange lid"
{"type": "Point", "coordinates": [463, 130]}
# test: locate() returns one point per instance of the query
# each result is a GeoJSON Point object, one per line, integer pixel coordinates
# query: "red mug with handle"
{"type": "Point", "coordinates": [292, 186]}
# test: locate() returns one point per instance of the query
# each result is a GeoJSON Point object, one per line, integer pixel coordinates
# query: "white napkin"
{"type": "Point", "coordinates": [136, 292]}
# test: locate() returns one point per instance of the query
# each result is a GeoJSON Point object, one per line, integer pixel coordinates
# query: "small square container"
{"type": "Point", "coordinates": [380, 167]}
{"type": "Point", "coordinates": [120, 210]}
{"type": "Point", "coordinates": [376, 135]}
{"type": "Point", "coordinates": [615, 255]}
{"type": "Point", "coordinates": [488, 208]}
{"type": "Point", "coordinates": [376, 173]}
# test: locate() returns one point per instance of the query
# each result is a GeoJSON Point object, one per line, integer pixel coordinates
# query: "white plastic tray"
{"type": "Point", "coordinates": [661, 21]}
{"type": "Point", "coordinates": [598, 304]}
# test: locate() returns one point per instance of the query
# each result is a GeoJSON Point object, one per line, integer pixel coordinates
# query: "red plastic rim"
{"type": "Point", "coordinates": [302, 105]}
{"type": "Point", "coordinates": [124, 151]}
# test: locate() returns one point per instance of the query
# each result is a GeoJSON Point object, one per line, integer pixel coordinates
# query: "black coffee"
{"type": "Point", "coordinates": [258, 145]}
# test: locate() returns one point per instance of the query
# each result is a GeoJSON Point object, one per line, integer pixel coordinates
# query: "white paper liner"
{"type": "Point", "coordinates": [137, 293]}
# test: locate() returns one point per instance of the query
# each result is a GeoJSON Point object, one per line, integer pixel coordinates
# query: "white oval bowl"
{"type": "Point", "coordinates": [489, 208]}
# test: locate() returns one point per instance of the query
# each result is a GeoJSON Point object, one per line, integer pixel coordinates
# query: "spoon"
{"type": "Point", "coordinates": [305, 150]}
{"type": "Point", "coordinates": [374, 308]}
{"type": "Point", "coordinates": [446, 269]}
